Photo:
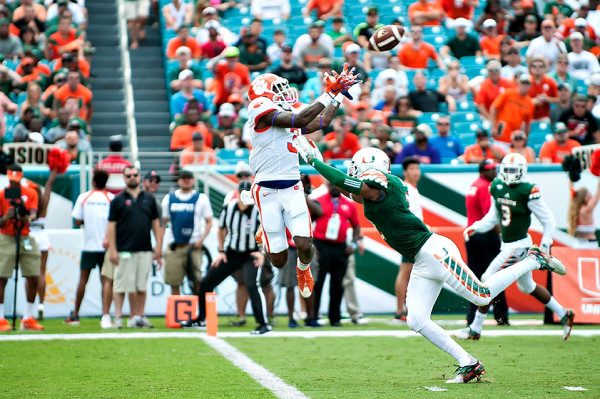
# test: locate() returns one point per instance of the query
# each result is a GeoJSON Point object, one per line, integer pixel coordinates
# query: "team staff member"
{"type": "Point", "coordinates": [186, 209]}
{"type": "Point", "coordinates": [91, 212]}
{"type": "Point", "coordinates": [133, 213]}
{"type": "Point", "coordinates": [29, 255]}
{"type": "Point", "coordinates": [331, 227]}
{"type": "Point", "coordinates": [482, 248]}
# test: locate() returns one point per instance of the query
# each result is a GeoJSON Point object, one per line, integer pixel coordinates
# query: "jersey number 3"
{"type": "Point", "coordinates": [505, 215]}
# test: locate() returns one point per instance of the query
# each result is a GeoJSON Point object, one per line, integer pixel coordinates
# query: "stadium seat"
{"type": "Point", "coordinates": [429, 117]}
{"type": "Point", "coordinates": [459, 116]}
{"type": "Point", "coordinates": [233, 156]}
{"type": "Point", "coordinates": [471, 61]}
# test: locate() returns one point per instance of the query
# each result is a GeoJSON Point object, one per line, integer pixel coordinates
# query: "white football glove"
{"type": "Point", "coordinates": [307, 148]}
{"type": "Point", "coordinates": [468, 233]}
{"type": "Point", "coordinates": [246, 197]}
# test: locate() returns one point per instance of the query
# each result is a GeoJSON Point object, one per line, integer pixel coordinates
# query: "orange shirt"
{"type": "Point", "coordinates": [56, 41]}
{"type": "Point", "coordinates": [419, 7]}
{"type": "Point", "coordinates": [82, 94]}
{"type": "Point", "coordinates": [190, 157]}
{"type": "Point", "coordinates": [176, 42]}
{"type": "Point", "coordinates": [229, 81]}
{"type": "Point", "coordinates": [323, 6]}
{"type": "Point", "coordinates": [83, 65]}
{"type": "Point", "coordinates": [490, 45]}
{"type": "Point", "coordinates": [416, 58]}
{"type": "Point", "coordinates": [567, 27]}
{"type": "Point", "coordinates": [347, 149]}
{"type": "Point", "coordinates": [547, 86]}
{"type": "Point", "coordinates": [513, 110]}
{"type": "Point", "coordinates": [475, 153]}
{"type": "Point", "coordinates": [182, 136]}
{"type": "Point", "coordinates": [30, 199]}
{"type": "Point", "coordinates": [452, 11]}
{"type": "Point", "coordinates": [488, 91]}
{"type": "Point", "coordinates": [529, 154]}
{"type": "Point", "coordinates": [551, 150]}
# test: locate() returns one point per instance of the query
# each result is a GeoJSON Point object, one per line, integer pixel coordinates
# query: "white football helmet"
{"type": "Point", "coordinates": [275, 88]}
{"type": "Point", "coordinates": [368, 158]}
{"type": "Point", "coordinates": [513, 169]}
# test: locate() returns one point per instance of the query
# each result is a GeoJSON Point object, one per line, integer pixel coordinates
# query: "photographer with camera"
{"type": "Point", "coordinates": [18, 207]}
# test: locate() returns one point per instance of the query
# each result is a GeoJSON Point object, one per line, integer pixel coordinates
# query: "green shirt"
{"type": "Point", "coordinates": [174, 72]}
{"type": "Point", "coordinates": [398, 226]}
{"type": "Point", "coordinates": [463, 48]}
{"type": "Point", "coordinates": [511, 204]}
{"type": "Point", "coordinates": [564, 9]}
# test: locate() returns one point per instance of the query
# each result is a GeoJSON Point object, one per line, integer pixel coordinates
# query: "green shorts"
{"type": "Point", "coordinates": [90, 260]}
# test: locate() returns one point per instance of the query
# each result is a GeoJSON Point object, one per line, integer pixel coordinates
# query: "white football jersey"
{"type": "Point", "coordinates": [273, 155]}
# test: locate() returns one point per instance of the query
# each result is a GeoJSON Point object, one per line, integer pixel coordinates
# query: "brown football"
{"type": "Point", "coordinates": [386, 38]}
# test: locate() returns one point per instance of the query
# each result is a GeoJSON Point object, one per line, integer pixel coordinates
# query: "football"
{"type": "Point", "coordinates": [386, 38]}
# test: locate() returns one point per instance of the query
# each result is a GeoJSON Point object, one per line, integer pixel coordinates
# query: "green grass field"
{"type": "Point", "coordinates": [321, 367]}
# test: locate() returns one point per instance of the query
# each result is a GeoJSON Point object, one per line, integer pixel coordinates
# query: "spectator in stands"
{"type": "Point", "coordinates": [187, 92]}
{"type": "Point", "coordinates": [513, 65]}
{"type": "Point", "coordinates": [73, 145]}
{"type": "Point", "coordinates": [182, 135]}
{"type": "Point", "coordinates": [290, 71]}
{"type": "Point", "coordinates": [483, 149]}
{"type": "Point", "coordinates": [561, 73]}
{"type": "Point", "coordinates": [426, 13]}
{"type": "Point", "coordinates": [493, 10]}
{"type": "Point", "coordinates": [455, 9]}
{"type": "Point", "coordinates": [383, 141]}
{"type": "Point", "coordinates": [512, 110]}
{"type": "Point", "coordinates": [490, 41]}
{"type": "Point", "coordinates": [224, 34]}
{"type": "Point", "coordinates": [308, 55]}
{"type": "Point", "coordinates": [589, 44]}
{"type": "Point", "coordinates": [453, 83]}
{"type": "Point", "coordinates": [405, 118]}
{"type": "Point", "coordinates": [338, 32]}
{"type": "Point", "coordinates": [518, 144]}
{"type": "Point", "coordinates": [341, 143]}
{"type": "Point", "coordinates": [529, 32]}
{"type": "Point", "coordinates": [40, 10]}
{"type": "Point", "coordinates": [364, 30]}
{"type": "Point", "coordinates": [388, 104]}
{"type": "Point", "coordinates": [177, 13]}
{"type": "Point", "coordinates": [428, 100]}
{"type": "Point", "coordinates": [420, 148]}
{"type": "Point", "coordinates": [307, 39]}
{"type": "Point", "coordinates": [10, 45]}
{"type": "Point", "coordinates": [491, 88]}
{"type": "Point", "coordinates": [72, 61]}
{"type": "Point", "coordinates": [214, 44]}
{"type": "Point", "coordinates": [414, 54]}
{"type": "Point", "coordinates": [58, 132]}
{"type": "Point", "coordinates": [6, 106]}
{"type": "Point", "coordinates": [253, 53]}
{"type": "Point", "coordinates": [582, 125]}
{"type": "Point", "coordinates": [325, 8]}
{"type": "Point", "coordinates": [30, 41]}
{"type": "Point", "coordinates": [183, 39]}
{"type": "Point", "coordinates": [33, 100]}
{"type": "Point", "coordinates": [31, 73]}
{"type": "Point", "coordinates": [59, 6]}
{"type": "Point", "coordinates": [552, 8]}
{"type": "Point", "coordinates": [578, 23]}
{"type": "Point", "coordinates": [270, 9]}
{"type": "Point", "coordinates": [463, 44]}
{"type": "Point", "coordinates": [198, 153]}
{"type": "Point", "coordinates": [563, 103]}
{"type": "Point", "coordinates": [228, 132]}
{"type": "Point", "coordinates": [72, 105]}
{"type": "Point", "coordinates": [555, 151]}
{"type": "Point", "coordinates": [547, 45]}
{"type": "Point", "coordinates": [74, 89]}
{"type": "Point", "coordinates": [543, 90]}
{"type": "Point", "coordinates": [256, 27]}
{"type": "Point", "coordinates": [352, 55]}
{"type": "Point", "coordinates": [28, 123]}
{"type": "Point", "coordinates": [275, 49]}
{"type": "Point", "coordinates": [114, 164]}
{"type": "Point", "coordinates": [31, 21]}
{"type": "Point", "coordinates": [448, 146]}
{"type": "Point", "coordinates": [184, 61]}
{"type": "Point", "coordinates": [314, 86]}
{"type": "Point", "coordinates": [582, 64]}
{"type": "Point", "coordinates": [63, 40]}
{"type": "Point", "coordinates": [231, 76]}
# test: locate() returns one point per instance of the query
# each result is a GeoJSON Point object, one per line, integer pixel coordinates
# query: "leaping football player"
{"type": "Point", "coordinates": [277, 189]}
{"type": "Point", "coordinates": [436, 258]}
{"type": "Point", "coordinates": [514, 201]}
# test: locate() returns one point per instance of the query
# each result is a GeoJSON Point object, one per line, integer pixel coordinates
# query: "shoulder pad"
{"type": "Point", "coordinates": [534, 193]}
{"type": "Point", "coordinates": [375, 176]}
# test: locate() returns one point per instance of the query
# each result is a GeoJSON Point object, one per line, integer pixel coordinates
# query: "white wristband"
{"type": "Point", "coordinates": [339, 98]}
{"type": "Point", "coordinates": [325, 99]}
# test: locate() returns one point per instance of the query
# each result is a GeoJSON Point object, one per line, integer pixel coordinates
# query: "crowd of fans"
{"type": "Point", "coordinates": [469, 81]}
{"type": "Point", "coordinates": [44, 94]}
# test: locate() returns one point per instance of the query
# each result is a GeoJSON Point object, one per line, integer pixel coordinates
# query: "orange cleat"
{"type": "Point", "coordinates": [259, 238]}
{"type": "Point", "coordinates": [30, 324]}
{"type": "Point", "coordinates": [305, 282]}
{"type": "Point", "coordinates": [4, 325]}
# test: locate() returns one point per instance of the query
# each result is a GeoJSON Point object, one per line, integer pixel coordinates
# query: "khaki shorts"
{"type": "Point", "coordinates": [135, 9]}
{"type": "Point", "coordinates": [131, 274]}
{"type": "Point", "coordinates": [29, 261]}
{"type": "Point", "coordinates": [108, 269]}
{"type": "Point", "coordinates": [176, 263]}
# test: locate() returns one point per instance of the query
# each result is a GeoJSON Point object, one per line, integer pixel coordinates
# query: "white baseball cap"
{"type": "Point", "coordinates": [186, 73]}
{"type": "Point", "coordinates": [461, 23]}
{"type": "Point", "coordinates": [489, 23]}
{"type": "Point", "coordinates": [580, 23]}
{"type": "Point", "coordinates": [227, 110]}
{"type": "Point", "coordinates": [183, 50]}
{"type": "Point", "coordinates": [36, 137]}
{"type": "Point", "coordinates": [576, 36]}
{"type": "Point", "coordinates": [353, 48]}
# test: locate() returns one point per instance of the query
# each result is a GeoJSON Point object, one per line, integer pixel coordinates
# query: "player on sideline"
{"type": "Point", "coordinates": [436, 259]}
{"type": "Point", "coordinates": [277, 189]}
{"type": "Point", "coordinates": [514, 200]}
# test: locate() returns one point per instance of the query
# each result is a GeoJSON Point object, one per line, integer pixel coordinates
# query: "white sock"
{"type": "Point", "coordinates": [1, 311]}
{"type": "Point", "coordinates": [440, 338]}
{"type": "Point", "coordinates": [554, 306]}
{"type": "Point", "coordinates": [28, 311]}
{"type": "Point", "coordinates": [499, 281]}
{"type": "Point", "coordinates": [303, 266]}
{"type": "Point", "coordinates": [477, 324]}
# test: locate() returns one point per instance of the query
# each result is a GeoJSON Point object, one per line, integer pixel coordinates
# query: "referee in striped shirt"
{"type": "Point", "coordinates": [238, 250]}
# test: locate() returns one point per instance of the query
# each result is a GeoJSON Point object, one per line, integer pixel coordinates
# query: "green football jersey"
{"type": "Point", "coordinates": [511, 203]}
{"type": "Point", "coordinates": [398, 226]}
